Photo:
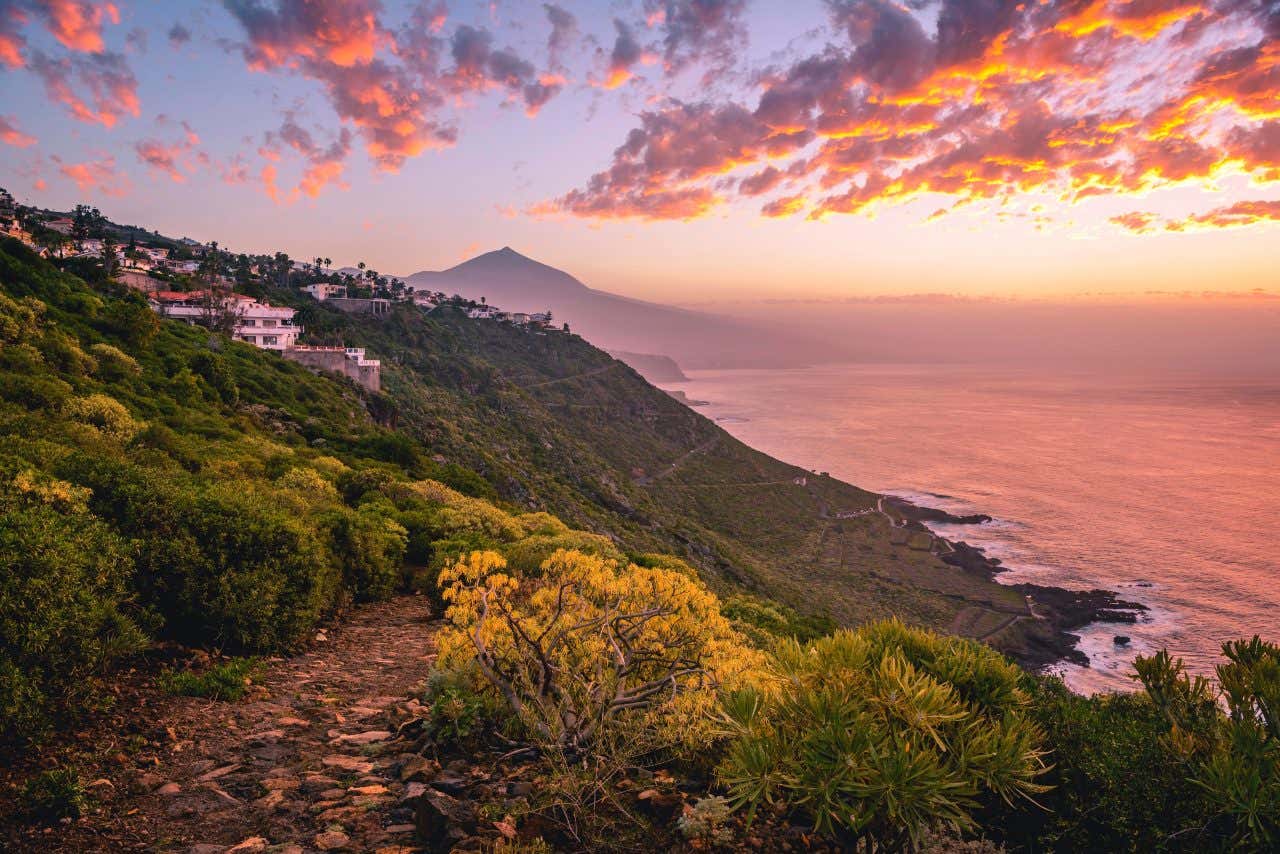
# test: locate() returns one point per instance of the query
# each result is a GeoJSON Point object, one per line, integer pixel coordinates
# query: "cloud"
{"type": "Point", "coordinates": [324, 164]}
{"type": "Point", "coordinates": [1237, 215]}
{"type": "Point", "coordinates": [10, 134]}
{"type": "Point", "coordinates": [977, 100]}
{"type": "Point", "coordinates": [626, 53]}
{"type": "Point", "coordinates": [564, 32]}
{"type": "Point", "coordinates": [338, 32]}
{"type": "Point", "coordinates": [76, 24]}
{"type": "Point", "coordinates": [699, 31]}
{"type": "Point", "coordinates": [113, 90]}
{"type": "Point", "coordinates": [478, 67]}
{"type": "Point", "coordinates": [178, 35]}
{"type": "Point", "coordinates": [91, 175]}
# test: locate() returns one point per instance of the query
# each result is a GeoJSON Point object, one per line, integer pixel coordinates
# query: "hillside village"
{"type": "Point", "coordinates": [210, 286]}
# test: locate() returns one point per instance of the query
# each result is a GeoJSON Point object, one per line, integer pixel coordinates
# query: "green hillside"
{"type": "Point", "coordinates": [554, 423]}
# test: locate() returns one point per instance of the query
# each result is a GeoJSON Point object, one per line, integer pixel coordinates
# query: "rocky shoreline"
{"type": "Point", "coordinates": [1051, 639]}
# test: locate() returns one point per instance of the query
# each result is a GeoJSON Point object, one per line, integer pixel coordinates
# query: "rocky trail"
{"type": "Point", "coordinates": [308, 761]}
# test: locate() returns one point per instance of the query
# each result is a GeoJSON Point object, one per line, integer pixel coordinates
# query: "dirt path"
{"type": "Point", "coordinates": [700, 449]}
{"type": "Point", "coordinates": [306, 763]}
{"type": "Point", "coordinates": [581, 376]}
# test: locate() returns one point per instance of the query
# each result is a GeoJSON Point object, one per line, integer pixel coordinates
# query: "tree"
{"type": "Point", "coordinates": [110, 262]}
{"type": "Point", "coordinates": [584, 643]}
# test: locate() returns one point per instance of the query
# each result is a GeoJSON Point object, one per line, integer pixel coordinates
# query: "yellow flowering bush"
{"type": "Point", "coordinates": [105, 414]}
{"type": "Point", "coordinates": [589, 643]}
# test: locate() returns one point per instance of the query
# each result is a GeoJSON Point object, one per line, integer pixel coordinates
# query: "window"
{"type": "Point", "coordinates": [268, 323]}
{"type": "Point", "coordinates": [268, 339]}
{"type": "Point", "coordinates": [249, 321]}
{"type": "Point", "coordinates": [249, 338]}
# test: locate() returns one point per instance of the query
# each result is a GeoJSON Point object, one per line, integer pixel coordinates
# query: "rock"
{"type": "Point", "coordinates": [206, 848]}
{"type": "Point", "coordinates": [271, 801]}
{"type": "Point", "coordinates": [451, 783]}
{"type": "Point", "coordinates": [318, 783]}
{"type": "Point", "coordinates": [1122, 640]}
{"type": "Point", "coordinates": [370, 737]}
{"type": "Point", "coordinates": [331, 840]}
{"type": "Point", "coordinates": [271, 784]}
{"type": "Point", "coordinates": [169, 789]}
{"type": "Point", "coordinates": [252, 845]}
{"type": "Point", "coordinates": [440, 818]}
{"type": "Point", "coordinates": [334, 794]}
{"type": "Point", "coordinates": [347, 763]}
{"type": "Point", "coordinates": [519, 788]}
{"type": "Point", "coordinates": [400, 828]}
{"type": "Point", "coordinates": [217, 772]}
{"type": "Point", "coordinates": [291, 721]}
{"type": "Point", "coordinates": [419, 769]}
{"type": "Point", "coordinates": [368, 790]}
{"type": "Point", "coordinates": [100, 787]}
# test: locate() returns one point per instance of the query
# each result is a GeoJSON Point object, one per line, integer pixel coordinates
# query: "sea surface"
{"type": "Point", "coordinates": [1163, 488]}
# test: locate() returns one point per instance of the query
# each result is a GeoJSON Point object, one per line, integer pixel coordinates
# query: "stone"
{"type": "Point", "coordinates": [334, 794]}
{"type": "Point", "coordinates": [396, 829]}
{"type": "Point", "coordinates": [271, 801]}
{"type": "Point", "coordinates": [1122, 640]}
{"type": "Point", "coordinates": [206, 848]}
{"type": "Point", "coordinates": [451, 783]}
{"type": "Point", "coordinates": [168, 789]}
{"type": "Point", "coordinates": [331, 840]}
{"type": "Point", "coordinates": [436, 814]}
{"type": "Point", "coordinates": [318, 783]}
{"type": "Point", "coordinates": [347, 763]}
{"type": "Point", "coordinates": [368, 790]}
{"type": "Point", "coordinates": [252, 845]}
{"type": "Point", "coordinates": [360, 738]}
{"type": "Point", "coordinates": [273, 783]}
{"type": "Point", "coordinates": [291, 721]}
{"type": "Point", "coordinates": [419, 769]}
{"type": "Point", "coordinates": [217, 772]}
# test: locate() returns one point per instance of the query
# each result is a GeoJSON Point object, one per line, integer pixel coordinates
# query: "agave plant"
{"type": "Point", "coordinates": [879, 734]}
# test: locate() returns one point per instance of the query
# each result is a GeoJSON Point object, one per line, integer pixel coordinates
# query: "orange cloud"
{"type": "Point", "coordinates": [77, 24]}
{"type": "Point", "coordinates": [11, 135]}
{"type": "Point", "coordinates": [1067, 101]}
{"type": "Point", "coordinates": [99, 175]}
{"type": "Point", "coordinates": [112, 88]}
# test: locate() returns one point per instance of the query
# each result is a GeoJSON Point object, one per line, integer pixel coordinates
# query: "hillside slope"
{"type": "Point", "coordinates": [555, 423]}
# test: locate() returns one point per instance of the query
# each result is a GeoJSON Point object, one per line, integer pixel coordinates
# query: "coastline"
{"type": "Point", "coordinates": [1060, 609]}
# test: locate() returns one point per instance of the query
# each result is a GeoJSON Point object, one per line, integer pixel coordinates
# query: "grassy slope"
{"type": "Point", "coordinates": [555, 423]}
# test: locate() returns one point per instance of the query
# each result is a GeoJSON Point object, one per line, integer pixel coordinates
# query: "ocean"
{"type": "Point", "coordinates": [1165, 489]}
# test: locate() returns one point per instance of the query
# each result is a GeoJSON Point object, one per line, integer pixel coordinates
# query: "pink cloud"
{"type": "Point", "coordinates": [91, 175]}
{"type": "Point", "coordinates": [10, 134]}
{"type": "Point", "coordinates": [112, 88]}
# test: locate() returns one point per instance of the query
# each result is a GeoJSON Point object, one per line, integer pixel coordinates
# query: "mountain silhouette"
{"type": "Point", "coordinates": [514, 282]}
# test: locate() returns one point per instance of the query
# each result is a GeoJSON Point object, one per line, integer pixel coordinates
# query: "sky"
{"type": "Point", "coordinates": [688, 151]}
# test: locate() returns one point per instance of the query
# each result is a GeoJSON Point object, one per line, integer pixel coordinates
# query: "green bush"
{"type": "Point", "coordinates": [62, 601]}
{"type": "Point", "coordinates": [226, 681]}
{"type": "Point", "coordinates": [877, 735]}
{"type": "Point", "coordinates": [370, 549]}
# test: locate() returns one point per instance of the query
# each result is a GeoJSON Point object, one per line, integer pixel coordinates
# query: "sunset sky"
{"type": "Point", "coordinates": [679, 150]}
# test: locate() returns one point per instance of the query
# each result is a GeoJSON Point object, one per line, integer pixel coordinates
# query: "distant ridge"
{"type": "Point", "coordinates": [515, 282]}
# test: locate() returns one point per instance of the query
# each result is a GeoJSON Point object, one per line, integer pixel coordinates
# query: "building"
{"type": "Point", "coordinates": [348, 361]}
{"type": "Point", "coordinates": [266, 326]}
{"type": "Point", "coordinates": [483, 312]}
{"type": "Point", "coordinates": [352, 305]}
{"type": "Point", "coordinates": [323, 291]}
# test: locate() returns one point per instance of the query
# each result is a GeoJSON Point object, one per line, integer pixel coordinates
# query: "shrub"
{"type": "Point", "coordinates": [61, 597]}
{"type": "Point", "coordinates": [370, 549]}
{"type": "Point", "coordinates": [878, 734]}
{"type": "Point", "coordinates": [114, 363]}
{"type": "Point", "coordinates": [588, 644]}
{"type": "Point", "coordinates": [103, 413]}
{"type": "Point", "coordinates": [1234, 757]}
{"type": "Point", "coordinates": [226, 681]}
{"type": "Point", "coordinates": [705, 821]}
{"type": "Point", "coordinates": [54, 794]}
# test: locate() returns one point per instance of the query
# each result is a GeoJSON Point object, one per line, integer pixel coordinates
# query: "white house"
{"type": "Point", "coordinates": [269, 327]}
{"type": "Point", "coordinates": [323, 291]}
